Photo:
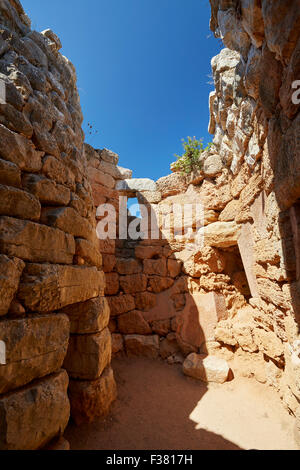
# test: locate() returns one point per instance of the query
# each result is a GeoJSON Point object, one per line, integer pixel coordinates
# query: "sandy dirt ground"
{"type": "Point", "coordinates": [158, 408]}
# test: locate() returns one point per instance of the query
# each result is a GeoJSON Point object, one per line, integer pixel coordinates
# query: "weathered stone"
{"type": "Point", "coordinates": [88, 317]}
{"type": "Point", "coordinates": [17, 149]}
{"type": "Point", "coordinates": [88, 252]}
{"type": "Point", "coordinates": [116, 172]}
{"type": "Point", "coordinates": [45, 288]}
{"type": "Point", "coordinates": [230, 211]}
{"type": "Point", "coordinates": [220, 234]}
{"type": "Point", "coordinates": [121, 304]}
{"type": "Point", "coordinates": [108, 156]}
{"type": "Point", "coordinates": [161, 327]}
{"type": "Point", "coordinates": [117, 344]}
{"type": "Point", "coordinates": [112, 283]}
{"type": "Point", "coordinates": [133, 323]}
{"type": "Point", "coordinates": [136, 185]}
{"type": "Point", "coordinates": [206, 368]}
{"type": "Point", "coordinates": [55, 170]}
{"type": "Point", "coordinates": [169, 346]}
{"type": "Point", "coordinates": [147, 346]}
{"type": "Point", "coordinates": [88, 355]}
{"type": "Point", "coordinates": [174, 268]}
{"type": "Point", "coordinates": [155, 267]}
{"type": "Point", "coordinates": [204, 261]}
{"type": "Point", "coordinates": [109, 262]}
{"type": "Point", "coordinates": [97, 176]}
{"type": "Point", "coordinates": [148, 252]}
{"type": "Point", "coordinates": [34, 242]}
{"type": "Point", "coordinates": [133, 283]}
{"type": "Point", "coordinates": [149, 197]}
{"type": "Point", "coordinates": [10, 273]}
{"type": "Point", "coordinates": [10, 174]}
{"type": "Point", "coordinates": [200, 317]}
{"type": "Point", "coordinates": [68, 220]}
{"type": "Point", "coordinates": [281, 20]}
{"type": "Point", "coordinates": [47, 191]}
{"type": "Point", "coordinates": [127, 266]}
{"type": "Point", "coordinates": [158, 284]}
{"type": "Point", "coordinates": [91, 400]}
{"type": "Point", "coordinates": [172, 184]}
{"type": "Point", "coordinates": [17, 203]}
{"type": "Point", "coordinates": [253, 21]}
{"type": "Point", "coordinates": [26, 423]}
{"type": "Point", "coordinates": [246, 247]}
{"type": "Point", "coordinates": [145, 301]}
{"type": "Point", "coordinates": [35, 347]}
{"type": "Point", "coordinates": [268, 343]}
{"type": "Point", "coordinates": [212, 166]}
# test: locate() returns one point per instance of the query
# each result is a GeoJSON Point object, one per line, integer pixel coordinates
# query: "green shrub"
{"type": "Point", "coordinates": [190, 160]}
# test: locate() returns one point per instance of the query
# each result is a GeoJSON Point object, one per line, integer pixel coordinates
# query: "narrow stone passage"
{"type": "Point", "coordinates": [159, 408]}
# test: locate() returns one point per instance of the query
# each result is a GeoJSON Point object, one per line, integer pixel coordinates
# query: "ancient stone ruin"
{"type": "Point", "coordinates": [69, 301]}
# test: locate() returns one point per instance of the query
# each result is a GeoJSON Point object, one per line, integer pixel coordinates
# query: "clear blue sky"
{"type": "Point", "coordinates": [143, 71]}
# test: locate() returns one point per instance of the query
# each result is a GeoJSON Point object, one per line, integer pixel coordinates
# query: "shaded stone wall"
{"type": "Point", "coordinates": [51, 278]}
{"type": "Point", "coordinates": [256, 128]}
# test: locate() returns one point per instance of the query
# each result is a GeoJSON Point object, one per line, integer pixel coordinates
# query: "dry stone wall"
{"type": "Point", "coordinates": [54, 316]}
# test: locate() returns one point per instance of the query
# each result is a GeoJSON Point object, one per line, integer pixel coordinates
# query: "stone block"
{"type": "Point", "coordinates": [25, 420]}
{"type": "Point", "coordinates": [91, 400]}
{"type": "Point", "coordinates": [200, 317]}
{"type": "Point", "coordinates": [133, 323]}
{"type": "Point", "coordinates": [206, 368]}
{"type": "Point", "coordinates": [46, 288]}
{"type": "Point", "coordinates": [246, 247]}
{"type": "Point", "coordinates": [147, 346]}
{"type": "Point", "coordinates": [88, 355]}
{"type": "Point", "coordinates": [88, 317]}
{"type": "Point", "coordinates": [35, 242]}
{"type": "Point", "coordinates": [10, 273]}
{"type": "Point", "coordinates": [17, 203]}
{"type": "Point", "coordinates": [35, 347]}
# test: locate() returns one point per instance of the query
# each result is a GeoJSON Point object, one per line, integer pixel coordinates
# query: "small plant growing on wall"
{"type": "Point", "coordinates": [190, 160]}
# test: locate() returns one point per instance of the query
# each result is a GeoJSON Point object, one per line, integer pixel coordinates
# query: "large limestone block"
{"type": "Point", "coordinates": [88, 317]}
{"type": "Point", "coordinates": [32, 417]}
{"type": "Point", "coordinates": [47, 191]}
{"type": "Point", "coordinates": [34, 242]}
{"type": "Point", "coordinates": [196, 263]}
{"type": "Point", "coordinates": [91, 400]}
{"type": "Point", "coordinates": [68, 220]}
{"type": "Point", "coordinates": [88, 252]}
{"type": "Point", "coordinates": [133, 283]}
{"type": "Point", "coordinates": [17, 203]}
{"type": "Point", "coordinates": [246, 247]}
{"type": "Point", "coordinates": [88, 355]}
{"type": "Point", "coordinates": [45, 288]}
{"type": "Point", "coordinates": [116, 172]}
{"type": "Point", "coordinates": [136, 185]}
{"type": "Point", "coordinates": [206, 368]}
{"type": "Point", "coordinates": [99, 177]}
{"type": "Point", "coordinates": [121, 304]}
{"type": "Point", "coordinates": [55, 170]}
{"type": "Point", "coordinates": [220, 234]}
{"type": "Point", "coordinates": [147, 346]}
{"type": "Point", "coordinates": [200, 317]}
{"type": "Point", "coordinates": [35, 347]}
{"type": "Point", "coordinates": [126, 266]}
{"type": "Point", "coordinates": [19, 150]}
{"type": "Point", "coordinates": [133, 323]}
{"type": "Point", "coordinates": [10, 174]}
{"type": "Point", "coordinates": [108, 156]}
{"type": "Point", "coordinates": [10, 273]}
{"type": "Point", "coordinates": [172, 184]}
